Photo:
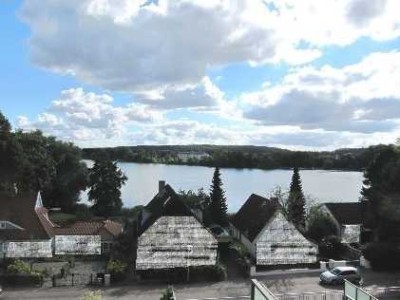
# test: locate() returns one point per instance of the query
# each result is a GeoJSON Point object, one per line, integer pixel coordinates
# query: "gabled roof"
{"type": "Point", "coordinates": [165, 203]}
{"type": "Point", "coordinates": [255, 213]}
{"type": "Point", "coordinates": [91, 228]}
{"type": "Point", "coordinates": [346, 213]}
{"type": "Point", "coordinates": [22, 211]}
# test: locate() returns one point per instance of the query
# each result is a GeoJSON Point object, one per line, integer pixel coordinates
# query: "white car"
{"type": "Point", "coordinates": [339, 274]}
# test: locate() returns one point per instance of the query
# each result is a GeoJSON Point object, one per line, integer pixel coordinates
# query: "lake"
{"type": "Point", "coordinates": [239, 184]}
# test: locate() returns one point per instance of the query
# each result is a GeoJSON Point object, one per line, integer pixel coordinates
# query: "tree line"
{"type": "Point", "coordinates": [242, 156]}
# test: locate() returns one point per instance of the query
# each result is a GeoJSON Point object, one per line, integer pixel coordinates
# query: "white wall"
{"type": "Point", "coordinates": [29, 249]}
{"type": "Point", "coordinates": [350, 233]}
{"type": "Point", "coordinates": [77, 244]}
{"type": "Point", "coordinates": [281, 243]}
{"type": "Point", "coordinates": [176, 241]}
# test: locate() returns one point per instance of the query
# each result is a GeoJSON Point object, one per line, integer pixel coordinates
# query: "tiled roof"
{"type": "Point", "coordinates": [254, 215]}
{"type": "Point", "coordinates": [20, 210]}
{"type": "Point", "coordinates": [165, 203]}
{"type": "Point", "coordinates": [91, 228]}
{"type": "Point", "coordinates": [346, 213]}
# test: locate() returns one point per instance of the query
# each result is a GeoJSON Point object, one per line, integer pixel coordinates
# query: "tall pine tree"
{"type": "Point", "coordinates": [296, 202]}
{"type": "Point", "coordinates": [218, 207]}
{"type": "Point", "coordinates": [105, 182]}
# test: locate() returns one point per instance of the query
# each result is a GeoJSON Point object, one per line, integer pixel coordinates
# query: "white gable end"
{"type": "Point", "coordinates": [176, 241]}
{"type": "Point", "coordinates": [281, 243]}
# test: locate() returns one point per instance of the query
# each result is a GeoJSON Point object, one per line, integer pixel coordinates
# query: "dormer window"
{"type": "Point", "coordinates": [2, 225]}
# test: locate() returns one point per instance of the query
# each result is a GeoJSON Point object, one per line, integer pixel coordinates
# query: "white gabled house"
{"type": "Point", "coordinates": [25, 228]}
{"type": "Point", "coordinates": [269, 237]}
{"type": "Point", "coordinates": [171, 236]}
{"type": "Point", "coordinates": [27, 232]}
{"type": "Point", "coordinates": [347, 217]}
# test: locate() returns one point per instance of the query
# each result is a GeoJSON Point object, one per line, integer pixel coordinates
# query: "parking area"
{"type": "Point", "coordinates": [282, 283]}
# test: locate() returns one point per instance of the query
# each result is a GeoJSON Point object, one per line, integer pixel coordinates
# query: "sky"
{"type": "Point", "coordinates": [309, 75]}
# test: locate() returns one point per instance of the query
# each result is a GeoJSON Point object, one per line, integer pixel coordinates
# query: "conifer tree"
{"type": "Point", "coordinates": [218, 206]}
{"type": "Point", "coordinates": [296, 202]}
{"type": "Point", "coordinates": [105, 182]}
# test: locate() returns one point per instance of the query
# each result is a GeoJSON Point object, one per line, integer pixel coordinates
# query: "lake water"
{"type": "Point", "coordinates": [239, 184]}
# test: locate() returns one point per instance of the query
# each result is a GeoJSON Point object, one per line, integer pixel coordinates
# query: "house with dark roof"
{"type": "Point", "coordinates": [87, 237]}
{"type": "Point", "coordinates": [347, 217]}
{"type": "Point", "coordinates": [26, 231]}
{"type": "Point", "coordinates": [269, 237]}
{"type": "Point", "coordinates": [171, 236]}
{"type": "Point", "coordinates": [25, 228]}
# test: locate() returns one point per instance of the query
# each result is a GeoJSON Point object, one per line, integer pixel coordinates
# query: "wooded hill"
{"type": "Point", "coordinates": [241, 156]}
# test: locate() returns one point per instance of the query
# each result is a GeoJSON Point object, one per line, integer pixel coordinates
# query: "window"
{"type": "Point", "coordinates": [2, 225]}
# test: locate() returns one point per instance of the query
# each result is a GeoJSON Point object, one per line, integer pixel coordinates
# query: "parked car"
{"type": "Point", "coordinates": [339, 274]}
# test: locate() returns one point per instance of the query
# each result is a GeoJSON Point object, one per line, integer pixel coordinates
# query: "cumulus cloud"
{"type": "Point", "coordinates": [140, 45]}
{"type": "Point", "coordinates": [83, 116]}
{"type": "Point", "coordinates": [358, 98]}
{"type": "Point", "coordinates": [204, 95]}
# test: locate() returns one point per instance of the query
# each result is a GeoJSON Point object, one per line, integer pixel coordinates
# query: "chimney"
{"type": "Point", "coordinates": [161, 185]}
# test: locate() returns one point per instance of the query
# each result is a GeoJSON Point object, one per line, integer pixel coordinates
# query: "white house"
{"type": "Point", "coordinates": [26, 231]}
{"type": "Point", "coordinates": [347, 217]}
{"type": "Point", "coordinates": [269, 237]}
{"type": "Point", "coordinates": [171, 236]}
{"type": "Point", "coordinates": [25, 228]}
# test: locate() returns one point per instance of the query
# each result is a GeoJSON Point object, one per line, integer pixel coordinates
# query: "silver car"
{"type": "Point", "coordinates": [339, 274]}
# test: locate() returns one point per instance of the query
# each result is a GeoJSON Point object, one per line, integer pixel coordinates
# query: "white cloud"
{"type": "Point", "coordinates": [358, 98]}
{"type": "Point", "coordinates": [204, 95]}
{"type": "Point", "coordinates": [81, 116]}
{"type": "Point", "coordinates": [130, 45]}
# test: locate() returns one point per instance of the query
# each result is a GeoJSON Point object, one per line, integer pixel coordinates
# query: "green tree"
{"type": "Point", "coordinates": [296, 207]}
{"type": "Point", "coordinates": [380, 195]}
{"type": "Point", "coordinates": [105, 182]}
{"type": "Point", "coordinates": [9, 153]}
{"type": "Point", "coordinates": [320, 225]}
{"type": "Point", "coordinates": [218, 206]}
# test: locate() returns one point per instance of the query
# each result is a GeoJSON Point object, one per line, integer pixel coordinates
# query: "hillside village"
{"type": "Point", "coordinates": [171, 235]}
{"type": "Point", "coordinates": [50, 239]}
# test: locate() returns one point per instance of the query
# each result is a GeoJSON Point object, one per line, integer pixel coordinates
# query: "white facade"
{"type": "Point", "coordinates": [351, 233]}
{"type": "Point", "coordinates": [14, 249]}
{"type": "Point", "coordinates": [280, 242]}
{"type": "Point", "coordinates": [185, 156]}
{"type": "Point", "coordinates": [77, 245]}
{"type": "Point", "coordinates": [176, 241]}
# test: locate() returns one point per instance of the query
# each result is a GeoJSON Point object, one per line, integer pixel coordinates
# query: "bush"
{"type": "Point", "coordinates": [95, 295]}
{"type": "Point", "coordinates": [383, 255]}
{"type": "Point", "coordinates": [331, 247]}
{"type": "Point", "coordinates": [168, 294]}
{"type": "Point", "coordinates": [320, 225]}
{"type": "Point", "coordinates": [19, 267]}
{"type": "Point", "coordinates": [118, 270]}
{"type": "Point", "coordinates": [179, 275]}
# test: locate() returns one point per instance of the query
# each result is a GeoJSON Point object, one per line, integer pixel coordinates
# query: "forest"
{"type": "Point", "coordinates": [259, 157]}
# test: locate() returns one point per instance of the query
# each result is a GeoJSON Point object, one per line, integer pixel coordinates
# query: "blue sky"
{"type": "Point", "coordinates": [307, 75]}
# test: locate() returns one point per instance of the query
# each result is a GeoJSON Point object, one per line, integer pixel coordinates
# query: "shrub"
{"type": "Point", "coordinates": [331, 247]}
{"type": "Point", "coordinates": [19, 267]}
{"type": "Point", "coordinates": [383, 255]}
{"type": "Point", "coordinates": [95, 295]}
{"type": "Point", "coordinates": [168, 294]}
{"type": "Point", "coordinates": [118, 269]}
{"type": "Point", "coordinates": [320, 225]}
